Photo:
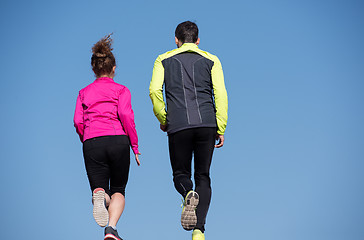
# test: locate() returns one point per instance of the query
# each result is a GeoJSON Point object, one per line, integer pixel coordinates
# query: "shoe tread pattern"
{"type": "Point", "coordinates": [100, 213]}
{"type": "Point", "coordinates": [188, 216]}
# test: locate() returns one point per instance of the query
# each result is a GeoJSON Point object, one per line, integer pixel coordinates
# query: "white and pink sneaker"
{"type": "Point", "coordinates": [100, 212]}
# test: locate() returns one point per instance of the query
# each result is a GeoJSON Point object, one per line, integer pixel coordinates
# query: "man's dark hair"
{"type": "Point", "coordinates": [187, 32]}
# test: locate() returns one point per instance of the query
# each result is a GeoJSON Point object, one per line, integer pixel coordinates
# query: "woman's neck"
{"type": "Point", "coordinates": [105, 75]}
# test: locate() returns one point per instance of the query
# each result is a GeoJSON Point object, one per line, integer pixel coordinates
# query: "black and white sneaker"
{"type": "Point", "coordinates": [100, 212]}
{"type": "Point", "coordinates": [111, 234]}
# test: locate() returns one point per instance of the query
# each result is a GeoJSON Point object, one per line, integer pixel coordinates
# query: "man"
{"type": "Point", "coordinates": [196, 116]}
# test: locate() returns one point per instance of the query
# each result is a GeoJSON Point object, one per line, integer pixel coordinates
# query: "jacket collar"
{"type": "Point", "coordinates": [104, 79]}
{"type": "Point", "coordinates": [188, 46]}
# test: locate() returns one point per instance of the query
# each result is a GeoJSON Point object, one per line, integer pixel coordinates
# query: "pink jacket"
{"type": "Point", "coordinates": [103, 108]}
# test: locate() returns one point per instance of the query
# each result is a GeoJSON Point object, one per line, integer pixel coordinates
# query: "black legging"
{"type": "Point", "coordinates": [107, 161]}
{"type": "Point", "coordinates": [182, 145]}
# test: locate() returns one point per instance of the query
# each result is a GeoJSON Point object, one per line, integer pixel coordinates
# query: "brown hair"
{"type": "Point", "coordinates": [103, 60]}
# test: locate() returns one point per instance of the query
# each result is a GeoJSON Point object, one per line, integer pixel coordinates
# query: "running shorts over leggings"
{"type": "Point", "coordinates": [107, 161]}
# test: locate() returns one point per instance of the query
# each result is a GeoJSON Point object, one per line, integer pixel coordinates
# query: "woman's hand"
{"type": "Point", "coordinates": [137, 158]}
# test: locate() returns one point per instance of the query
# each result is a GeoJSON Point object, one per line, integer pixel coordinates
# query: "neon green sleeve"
{"type": "Point", "coordinates": [220, 96]}
{"type": "Point", "coordinates": [156, 91]}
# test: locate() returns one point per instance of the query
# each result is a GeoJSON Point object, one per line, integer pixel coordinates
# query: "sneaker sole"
{"type": "Point", "coordinates": [101, 215]}
{"type": "Point", "coordinates": [188, 216]}
{"type": "Point", "coordinates": [110, 236]}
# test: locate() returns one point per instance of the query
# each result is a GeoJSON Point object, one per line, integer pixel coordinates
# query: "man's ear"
{"type": "Point", "coordinates": [198, 41]}
{"type": "Point", "coordinates": [176, 40]}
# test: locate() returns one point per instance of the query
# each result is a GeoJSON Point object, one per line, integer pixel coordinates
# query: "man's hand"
{"type": "Point", "coordinates": [221, 139]}
{"type": "Point", "coordinates": [163, 127]}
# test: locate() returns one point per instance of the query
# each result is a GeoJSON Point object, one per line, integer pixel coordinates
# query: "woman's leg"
{"type": "Point", "coordinates": [96, 162]}
{"type": "Point", "coordinates": [116, 208]}
{"type": "Point", "coordinates": [119, 154]}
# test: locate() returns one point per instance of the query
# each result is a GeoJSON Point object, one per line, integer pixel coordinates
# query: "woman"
{"type": "Point", "coordinates": [104, 121]}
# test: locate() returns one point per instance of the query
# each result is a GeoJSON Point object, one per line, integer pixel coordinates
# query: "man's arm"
{"type": "Point", "coordinates": [220, 96]}
{"type": "Point", "coordinates": [156, 91]}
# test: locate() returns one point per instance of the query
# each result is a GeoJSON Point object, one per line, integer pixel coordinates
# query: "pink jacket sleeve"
{"type": "Point", "coordinates": [78, 118]}
{"type": "Point", "coordinates": [126, 116]}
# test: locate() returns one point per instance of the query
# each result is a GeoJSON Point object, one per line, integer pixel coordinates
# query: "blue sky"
{"type": "Point", "coordinates": [292, 165]}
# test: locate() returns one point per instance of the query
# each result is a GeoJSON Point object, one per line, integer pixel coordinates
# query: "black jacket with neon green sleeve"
{"type": "Point", "coordinates": [194, 90]}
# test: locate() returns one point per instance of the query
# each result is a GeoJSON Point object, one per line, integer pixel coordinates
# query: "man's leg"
{"type": "Point", "coordinates": [181, 148]}
{"type": "Point", "coordinates": [180, 152]}
{"type": "Point", "coordinates": [203, 150]}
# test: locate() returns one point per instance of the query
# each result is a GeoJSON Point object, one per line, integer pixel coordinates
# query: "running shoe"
{"type": "Point", "coordinates": [111, 234]}
{"type": "Point", "coordinates": [100, 212]}
{"type": "Point", "coordinates": [188, 216]}
{"type": "Point", "coordinates": [198, 235]}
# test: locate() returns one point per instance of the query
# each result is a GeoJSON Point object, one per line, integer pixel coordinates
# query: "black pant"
{"type": "Point", "coordinates": [107, 161]}
{"type": "Point", "coordinates": [182, 145]}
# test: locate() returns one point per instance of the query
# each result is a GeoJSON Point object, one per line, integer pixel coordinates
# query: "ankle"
{"type": "Point", "coordinates": [113, 227]}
